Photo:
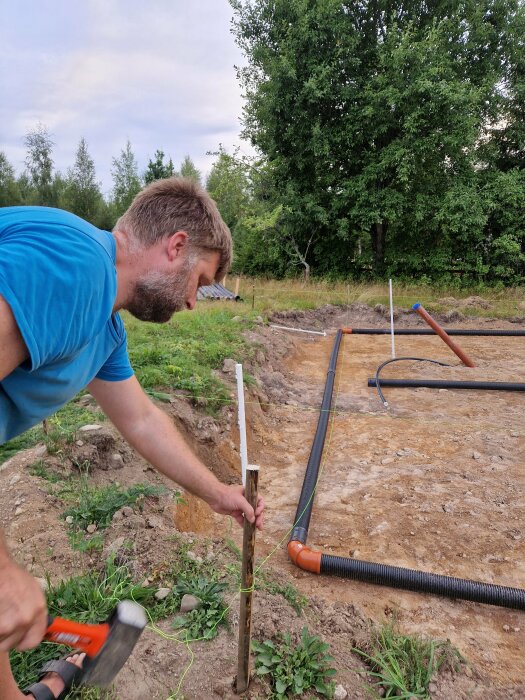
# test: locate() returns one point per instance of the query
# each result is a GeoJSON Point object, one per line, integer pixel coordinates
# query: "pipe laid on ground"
{"type": "Point", "coordinates": [448, 384]}
{"type": "Point", "coordinates": [443, 335]}
{"type": "Point", "coordinates": [428, 331]}
{"type": "Point", "coordinates": [380, 574]}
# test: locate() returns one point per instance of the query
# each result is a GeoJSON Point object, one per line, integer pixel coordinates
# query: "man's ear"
{"type": "Point", "coordinates": [176, 244]}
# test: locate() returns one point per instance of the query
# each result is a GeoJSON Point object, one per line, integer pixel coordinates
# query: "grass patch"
{"type": "Point", "coordinates": [182, 354]}
{"type": "Point", "coordinates": [403, 666]}
{"type": "Point", "coordinates": [280, 295]}
{"type": "Point", "coordinates": [62, 427]}
{"type": "Point", "coordinates": [293, 669]}
{"type": "Point", "coordinates": [96, 505]}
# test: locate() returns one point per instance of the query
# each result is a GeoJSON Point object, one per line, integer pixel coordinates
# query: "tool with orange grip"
{"type": "Point", "coordinates": [107, 645]}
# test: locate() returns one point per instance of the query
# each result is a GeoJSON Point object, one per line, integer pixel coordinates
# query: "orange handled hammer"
{"type": "Point", "coordinates": [107, 645]}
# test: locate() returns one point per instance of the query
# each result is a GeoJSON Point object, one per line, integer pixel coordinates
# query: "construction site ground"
{"type": "Point", "coordinates": [435, 482]}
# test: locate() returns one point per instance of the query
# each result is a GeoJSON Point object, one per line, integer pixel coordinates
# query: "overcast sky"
{"type": "Point", "coordinates": [160, 73]}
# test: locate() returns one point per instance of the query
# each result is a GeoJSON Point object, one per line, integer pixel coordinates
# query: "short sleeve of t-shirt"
{"type": "Point", "coordinates": [60, 284]}
{"type": "Point", "coordinates": [117, 367]}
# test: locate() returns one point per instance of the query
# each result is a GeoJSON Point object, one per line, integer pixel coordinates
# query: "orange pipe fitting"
{"type": "Point", "coordinates": [303, 557]}
{"type": "Point", "coordinates": [346, 331]}
{"type": "Point", "coordinates": [443, 335]}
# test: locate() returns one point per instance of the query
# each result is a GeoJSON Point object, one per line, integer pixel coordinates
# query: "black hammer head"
{"type": "Point", "coordinates": [125, 627]}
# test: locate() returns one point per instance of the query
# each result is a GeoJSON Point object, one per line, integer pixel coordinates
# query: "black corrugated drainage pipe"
{"type": "Point", "coordinates": [444, 384]}
{"type": "Point", "coordinates": [428, 331]}
{"type": "Point", "coordinates": [379, 574]}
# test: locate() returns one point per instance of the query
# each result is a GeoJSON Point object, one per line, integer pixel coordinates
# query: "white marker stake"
{"type": "Point", "coordinates": [242, 422]}
{"type": "Point", "coordinates": [392, 321]}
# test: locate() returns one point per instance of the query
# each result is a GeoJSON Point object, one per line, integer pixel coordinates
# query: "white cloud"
{"type": "Point", "coordinates": [161, 74]}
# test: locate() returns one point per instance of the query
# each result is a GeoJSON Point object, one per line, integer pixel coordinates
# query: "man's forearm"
{"type": "Point", "coordinates": [162, 445]}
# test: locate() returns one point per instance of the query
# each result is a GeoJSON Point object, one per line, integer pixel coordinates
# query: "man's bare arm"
{"type": "Point", "coordinates": [13, 350]}
{"type": "Point", "coordinates": [152, 433]}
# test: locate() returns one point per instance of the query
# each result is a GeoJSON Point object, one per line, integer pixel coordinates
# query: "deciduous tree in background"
{"type": "Point", "coordinates": [372, 116]}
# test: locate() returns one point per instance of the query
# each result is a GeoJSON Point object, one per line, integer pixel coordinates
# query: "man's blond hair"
{"type": "Point", "coordinates": [178, 204]}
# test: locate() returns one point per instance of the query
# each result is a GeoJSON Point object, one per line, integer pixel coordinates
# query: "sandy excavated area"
{"type": "Point", "coordinates": [435, 483]}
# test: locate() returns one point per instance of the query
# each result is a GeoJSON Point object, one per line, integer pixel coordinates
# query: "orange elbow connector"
{"type": "Point", "coordinates": [346, 331]}
{"type": "Point", "coordinates": [303, 557]}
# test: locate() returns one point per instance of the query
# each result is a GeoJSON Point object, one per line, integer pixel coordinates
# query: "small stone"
{"type": "Point", "coordinates": [193, 557]}
{"type": "Point", "coordinates": [79, 443]}
{"type": "Point", "coordinates": [475, 455]}
{"type": "Point", "coordinates": [387, 460]}
{"type": "Point", "coordinates": [468, 672]}
{"type": "Point", "coordinates": [70, 519]}
{"type": "Point", "coordinates": [116, 461]}
{"type": "Point", "coordinates": [228, 366]}
{"type": "Point", "coordinates": [14, 479]}
{"type": "Point", "coordinates": [516, 629]}
{"type": "Point", "coordinates": [114, 547]}
{"type": "Point", "coordinates": [155, 522]}
{"type": "Point", "coordinates": [91, 528]}
{"type": "Point", "coordinates": [117, 515]}
{"type": "Point", "coordinates": [432, 688]}
{"type": "Point", "coordinates": [90, 428]}
{"type": "Point", "coordinates": [514, 434]}
{"type": "Point", "coordinates": [19, 511]}
{"type": "Point", "coordinates": [506, 628]}
{"type": "Point", "coordinates": [162, 593]}
{"type": "Point", "coordinates": [127, 511]}
{"type": "Point", "coordinates": [340, 692]}
{"type": "Point", "coordinates": [189, 603]}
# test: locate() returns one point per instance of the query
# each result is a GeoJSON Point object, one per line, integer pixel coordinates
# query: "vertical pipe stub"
{"type": "Point", "coordinates": [416, 306]}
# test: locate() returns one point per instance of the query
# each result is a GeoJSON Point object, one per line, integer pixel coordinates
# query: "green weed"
{"type": "Point", "coordinates": [403, 666]}
{"type": "Point", "coordinates": [295, 669]}
{"type": "Point", "coordinates": [203, 622]}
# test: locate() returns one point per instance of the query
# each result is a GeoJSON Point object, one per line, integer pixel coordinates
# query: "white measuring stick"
{"type": "Point", "coordinates": [392, 321]}
{"type": "Point", "coordinates": [298, 330]}
{"type": "Point", "coordinates": [241, 418]}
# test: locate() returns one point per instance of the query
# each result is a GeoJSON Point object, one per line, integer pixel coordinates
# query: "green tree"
{"type": "Point", "coordinates": [157, 169]}
{"type": "Point", "coordinates": [188, 169]}
{"type": "Point", "coordinates": [39, 166]}
{"type": "Point", "coordinates": [126, 181]}
{"type": "Point", "coordinates": [372, 116]}
{"type": "Point", "coordinates": [228, 183]}
{"type": "Point", "coordinates": [82, 194]}
{"type": "Point", "coordinates": [10, 194]}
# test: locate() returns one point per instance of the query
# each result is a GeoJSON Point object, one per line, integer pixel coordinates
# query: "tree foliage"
{"type": "Point", "coordinates": [126, 181]}
{"type": "Point", "coordinates": [82, 194]}
{"type": "Point", "coordinates": [384, 124]}
{"type": "Point", "coordinates": [157, 169]}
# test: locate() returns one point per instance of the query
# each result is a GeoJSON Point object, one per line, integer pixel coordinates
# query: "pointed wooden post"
{"type": "Point", "coordinates": [248, 556]}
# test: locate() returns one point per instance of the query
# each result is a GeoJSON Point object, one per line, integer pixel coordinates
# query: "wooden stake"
{"type": "Point", "coordinates": [237, 283]}
{"type": "Point", "coordinates": [248, 556]}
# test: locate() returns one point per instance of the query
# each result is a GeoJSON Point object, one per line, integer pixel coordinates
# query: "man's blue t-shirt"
{"type": "Point", "coordinates": [57, 273]}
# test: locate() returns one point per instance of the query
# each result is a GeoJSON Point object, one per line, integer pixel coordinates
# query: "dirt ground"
{"type": "Point", "coordinates": [435, 482]}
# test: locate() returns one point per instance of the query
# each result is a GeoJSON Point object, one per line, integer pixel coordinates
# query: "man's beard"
{"type": "Point", "coordinates": [157, 296]}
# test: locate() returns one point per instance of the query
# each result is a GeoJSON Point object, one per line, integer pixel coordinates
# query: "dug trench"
{"type": "Point", "coordinates": [434, 483]}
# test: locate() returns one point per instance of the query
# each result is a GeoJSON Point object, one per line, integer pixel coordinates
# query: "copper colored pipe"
{"type": "Point", "coordinates": [303, 557]}
{"type": "Point", "coordinates": [443, 335]}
